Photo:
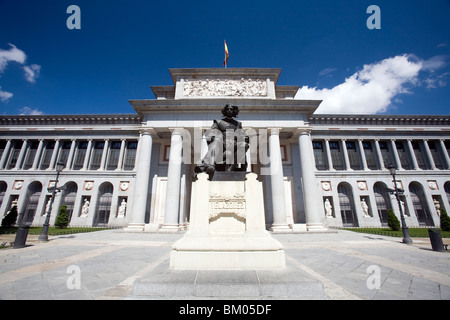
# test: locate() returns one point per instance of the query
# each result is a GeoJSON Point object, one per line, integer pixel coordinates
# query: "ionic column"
{"type": "Point", "coordinates": [171, 222]}
{"type": "Point", "coordinates": [329, 159]}
{"type": "Point", "coordinates": [121, 155]}
{"type": "Point", "coordinates": [346, 158]}
{"type": "Point", "coordinates": [362, 155]}
{"type": "Point", "coordinates": [379, 155]}
{"type": "Point", "coordinates": [396, 157]}
{"type": "Point", "coordinates": [412, 155]}
{"type": "Point", "coordinates": [429, 155]}
{"type": "Point", "coordinates": [6, 154]}
{"type": "Point", "coordinates": [37, 157]}
{"type": "Point", "coordinates": [22, 153]}
{"type": "Point", "coordinates": [444, 152]}
{"type": "Point", "coordinates": [54, 155]}
{"type": "Point", "coordinates": [87, 155]}
{"type": "Point", "coordinates": [137, 222]}
{"type": "Point", "coordinates": [71, 154]}
{"type": "Point", "coordinates": [277, 182]}
{"type": "Point", "coordinates": [104, 155]}
{"type": "Point", "coordinates": [313, 205]}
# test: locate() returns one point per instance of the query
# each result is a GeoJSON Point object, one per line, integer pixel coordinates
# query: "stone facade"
{"type": "Point", "coordinates": [146, 160]}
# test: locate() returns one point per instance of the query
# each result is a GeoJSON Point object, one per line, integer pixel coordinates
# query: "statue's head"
{"type": "Point", "coordinates": [230, 111]}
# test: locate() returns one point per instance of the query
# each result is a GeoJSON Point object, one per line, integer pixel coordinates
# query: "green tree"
{"type": "Point", "coordinates": [445, 221]}
{"type": "Point", "coordinates": [10, 219]}
{"type": "Point", "coordinates": [62, 220]}
{"type": "Point", "coordinates": [393, 221]}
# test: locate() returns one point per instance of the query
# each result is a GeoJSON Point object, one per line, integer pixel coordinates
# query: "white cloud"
{"type": "Point", "coordinates": [372, 89]}
{"type": "Point", "coordinates": [4, 95]}
{"type": "Point", "coordinates": [32, 72]}
{"type": "Point", "coordinates": [30, 112]}
{"type": "Point", "coordinates": [16, 55]}
{"type": "Point", "coordinates": [327, 71]}
{"type": "Point", "coordinates": [435, 63]}
{"type": "Point", "coordinates": [13, 54]}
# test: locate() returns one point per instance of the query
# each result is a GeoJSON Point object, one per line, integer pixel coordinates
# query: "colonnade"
{"type": "Point", "coordinates": [313, 205]}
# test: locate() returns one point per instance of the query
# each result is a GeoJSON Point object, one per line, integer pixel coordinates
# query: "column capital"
{"type": "Point", "coordinates": [274, 130]}
{"type": "Point", "coordinates": [303, 131]}
{"type": "Point", "coordinates": [177, 130]}
{"type": "Point", "coordinates": [148, 131]}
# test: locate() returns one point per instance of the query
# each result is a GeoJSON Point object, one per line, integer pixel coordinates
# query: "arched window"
{"type": "Point", "coordinates": [33, 195]}
{"type": "Point", "coordinates": [420, 204]}
{"type": "Point", "coordinates": [382, 200]}
{"type": "Point", "coordinates": [347, 206]}
{"type": "Point", "coordinates": [69, 197]}
{"type": "Point", "coordinates": [103, 205]}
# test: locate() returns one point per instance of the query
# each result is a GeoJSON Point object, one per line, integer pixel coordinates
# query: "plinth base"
{"type": "Point", "coordinates": [288, 283]}
{"type": "Point", "coordinates": [227, 230]}
{"type": "Point", "coordinates": [223, 260]}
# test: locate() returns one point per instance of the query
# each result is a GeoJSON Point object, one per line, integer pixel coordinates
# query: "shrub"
{"type": "Point", "coordinates": [10, 219]}
{"type": "Point", "coordinates": [62, 220]}
{"type": "Point", "coordinates": [393, 221]}
{"type": "Point", "coordinates": [445, 221]}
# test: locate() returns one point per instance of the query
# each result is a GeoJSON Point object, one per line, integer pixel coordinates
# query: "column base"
{"type": "Point", "coordinates": [135, 227]}
{"type": "Point", "coordinates": [170, 228]}
{"type": "Point", "coordinates": [280, 228]}
{"type": "Point", "coordinates": [315, 227]}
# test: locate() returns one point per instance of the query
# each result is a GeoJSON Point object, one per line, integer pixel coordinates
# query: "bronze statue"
{"type": "Point", "coordinates": [227, 144]}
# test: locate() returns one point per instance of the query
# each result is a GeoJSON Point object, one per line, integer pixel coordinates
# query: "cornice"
{"type": "Point", "coordinates": [379, 120]}
{"type": "Point", "coordinates": [70, 120]}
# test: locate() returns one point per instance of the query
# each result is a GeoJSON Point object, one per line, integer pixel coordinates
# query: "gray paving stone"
{"type": "Point", "coordinates": [339, 260]}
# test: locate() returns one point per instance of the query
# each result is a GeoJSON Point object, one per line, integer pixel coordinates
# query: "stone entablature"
{"type": "Point", "coordinates": [69, 120]}
{"type": "Point", "coordinates": [320, 120]}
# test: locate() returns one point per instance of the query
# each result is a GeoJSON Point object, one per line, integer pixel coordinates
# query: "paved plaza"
{"type": "Point", "coordinates": [117, 265]}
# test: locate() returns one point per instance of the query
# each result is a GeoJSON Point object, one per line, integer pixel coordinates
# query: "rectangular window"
{"type": "Point", "coordinates": [435, 154]}
{"type": "Point", "coordinates": [14, 155]}
{"type": "Point", "coordinates": [402, 154]}
{"type": "Point", "coordinates": [31, 154]}
{"type": "Point", "coordinates": [385, 153]}
{"type": "Point", "coordinates": [336, 155]}
{"type": "Point", "coordinates": [65, 150]}
{"type": "Point", "coordinates": [419, 155]}
{"type": "Point", "coordinates": [47, 155]}
{"type": "Point", "coordinates": [96, 157]}
{"type": "Point", "coordinates": [80, 154]}
{"type": "Point", "coordinates": [130, 155]}
{"type": "Point", "coordinates": [353, 155]}
{"type": "Point", "coordinates": [113, 157]}
{"type": "Point", "coordinates": [319, 155]}
{"type": "Point", "coordinates": [370, 155]}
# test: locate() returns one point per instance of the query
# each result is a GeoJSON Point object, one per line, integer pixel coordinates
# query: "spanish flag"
{"type": "Point", "coordinates": [227, 55]}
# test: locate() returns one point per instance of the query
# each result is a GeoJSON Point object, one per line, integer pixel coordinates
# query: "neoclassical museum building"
{"type": "Point", "coordinates": [136, 170]}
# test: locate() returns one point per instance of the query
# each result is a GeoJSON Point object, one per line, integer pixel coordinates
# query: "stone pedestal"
{"type": "Point", "coordinates": [227, 227]}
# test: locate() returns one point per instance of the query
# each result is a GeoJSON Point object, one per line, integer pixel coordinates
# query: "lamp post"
{"type": "Point", "coordinates": [406, 238]}
{"type": "Point", "coordinates": [44, 234]}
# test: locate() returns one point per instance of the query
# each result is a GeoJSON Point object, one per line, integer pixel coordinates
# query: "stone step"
{"type": "Point", "coordinates": [289, 283]}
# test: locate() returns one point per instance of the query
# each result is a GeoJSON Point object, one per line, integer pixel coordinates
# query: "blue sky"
{"type": "Point", "coordinates": [124, 47]}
